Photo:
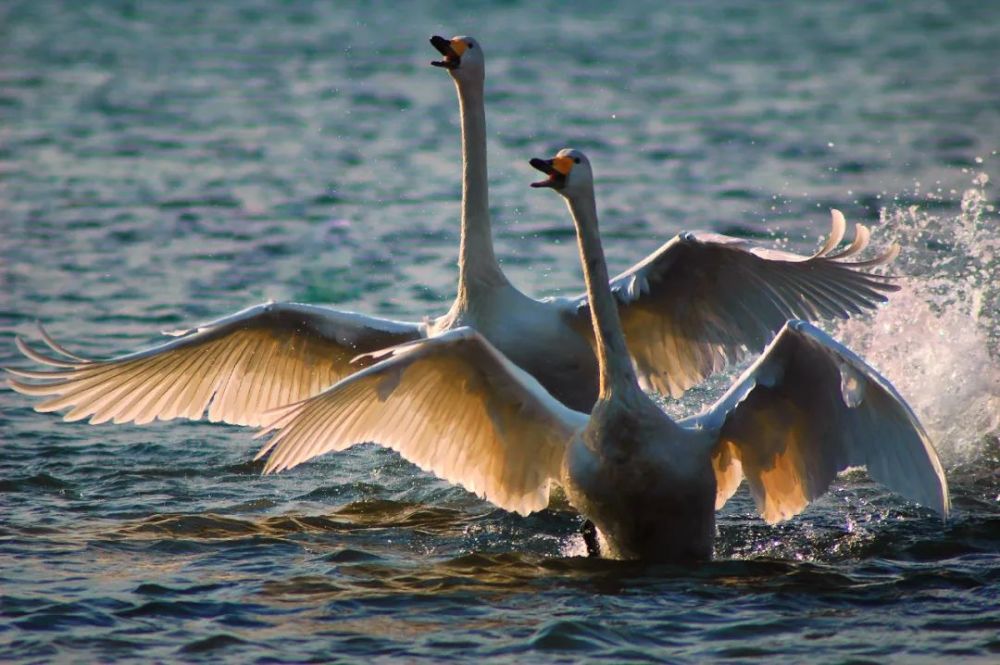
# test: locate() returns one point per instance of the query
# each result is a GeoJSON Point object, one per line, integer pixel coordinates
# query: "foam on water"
{"type": "Point", "coordinates": [938, 338]}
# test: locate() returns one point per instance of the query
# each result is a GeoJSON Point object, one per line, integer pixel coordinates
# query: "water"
{"type": "Point", "coordinates": [163, 163]}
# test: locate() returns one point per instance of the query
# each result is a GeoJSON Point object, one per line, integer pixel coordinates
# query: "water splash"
{"type": "Point", "coordinates": [938, 340]}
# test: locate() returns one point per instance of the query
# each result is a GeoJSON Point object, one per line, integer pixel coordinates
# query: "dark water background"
{"type": "Point", "coordinates": [163, 163]}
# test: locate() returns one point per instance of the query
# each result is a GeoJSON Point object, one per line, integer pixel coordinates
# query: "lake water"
{"type": "Point", "coordinates": [164, 163]}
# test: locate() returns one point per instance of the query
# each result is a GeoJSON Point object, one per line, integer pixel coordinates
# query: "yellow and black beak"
{"type": "Point", "coordinates": [556, 168]}
{"type": "Point", "coordinates": [451, 49]}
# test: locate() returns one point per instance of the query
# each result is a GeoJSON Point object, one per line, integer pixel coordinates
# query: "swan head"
{"type": "Point", "coordinates": [569, 172]}
{"type": "Point", "coordinates": [463, 56]}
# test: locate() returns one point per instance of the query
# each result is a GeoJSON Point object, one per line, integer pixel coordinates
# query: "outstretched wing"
{"type": "Point", "coordinates": [805, 411]}
{"type": "Point", "coordinates": [703, 299]}
{"type": "Point", "coordinates": [237, 367]}
{"type": "Point", "coordinates": [452, 405]}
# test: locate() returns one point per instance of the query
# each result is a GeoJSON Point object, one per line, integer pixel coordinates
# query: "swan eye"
{"type": "Point", "coordinates": [472, 44]}
{"type": "Point", "coordinates": [576, 160]}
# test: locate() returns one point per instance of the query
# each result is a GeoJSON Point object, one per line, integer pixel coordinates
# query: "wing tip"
{"type": "Point", "coordinates": [16, 385]}
{"type": "Point", "coordinates": [838, 226]}
{"type": "Point", "coordinates": [57, 347]}
{"type": "Point", "coordinates": [33, 354]}
{"type": "Point", "coordinates": [33, 389]}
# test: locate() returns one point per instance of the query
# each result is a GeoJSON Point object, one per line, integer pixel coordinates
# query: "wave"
{"type": "Point", "coordinates": [938, 339]}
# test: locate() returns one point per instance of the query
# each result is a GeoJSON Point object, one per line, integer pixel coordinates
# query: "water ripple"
{"type": "Point", "coordinates": [165, 163]}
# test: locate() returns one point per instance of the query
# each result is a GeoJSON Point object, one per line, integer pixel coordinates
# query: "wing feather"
{"type": "Point", "coordinates": [808, 409]}
{"type": "Point", "coordinates": [452, 405]}
{"type": "Point", "coordinates": [236, 368]}
{"type": "Point", "coordinates": [704, 299]}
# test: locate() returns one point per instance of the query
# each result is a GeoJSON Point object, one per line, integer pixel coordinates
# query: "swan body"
{"type": "Point", "coordinates": [455, 405]}
{"type": "Point", "coordinates": [554, 350]}
{"type": "Point", "coordinates": [631, 471]}
{"type": "Point", "coordinates": [699, 302]}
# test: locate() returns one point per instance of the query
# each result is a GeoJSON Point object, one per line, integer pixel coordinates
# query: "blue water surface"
{"type": "Point", "coordinates": [164, 163]}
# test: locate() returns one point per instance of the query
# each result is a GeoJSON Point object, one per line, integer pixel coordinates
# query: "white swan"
{"type": "Point", "coordinates": [454, 405]}
{"type": "Point", "coordinates": [696, 303]}
{"type": "Point", "coordinates": [699, 301]}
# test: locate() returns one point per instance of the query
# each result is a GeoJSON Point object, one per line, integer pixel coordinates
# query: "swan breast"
{"type": "Point", "coordinates": [650, 493]}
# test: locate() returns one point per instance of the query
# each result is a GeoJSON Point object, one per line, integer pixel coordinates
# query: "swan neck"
{"type": "Point", "coordinates": [476, 262]}
{"type": "Point", "coordinates": [616, 373]}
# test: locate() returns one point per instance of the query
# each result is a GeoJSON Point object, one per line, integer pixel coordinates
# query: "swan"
{"type": "Point", "coordinates": [695, 304]}
{"type": "Point", "coordinates": [454, 405]}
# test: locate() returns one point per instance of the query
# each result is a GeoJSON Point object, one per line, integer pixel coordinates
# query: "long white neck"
{"type": "Point", "coordinates": [477, 265]}
{"type": "Point", "coordinates": [616, 373]}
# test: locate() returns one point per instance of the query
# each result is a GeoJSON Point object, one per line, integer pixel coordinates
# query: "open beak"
{"type": "Point", "coordinates": [556, 169]}
{"type": "Point", "coordinates": [452, 59]}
